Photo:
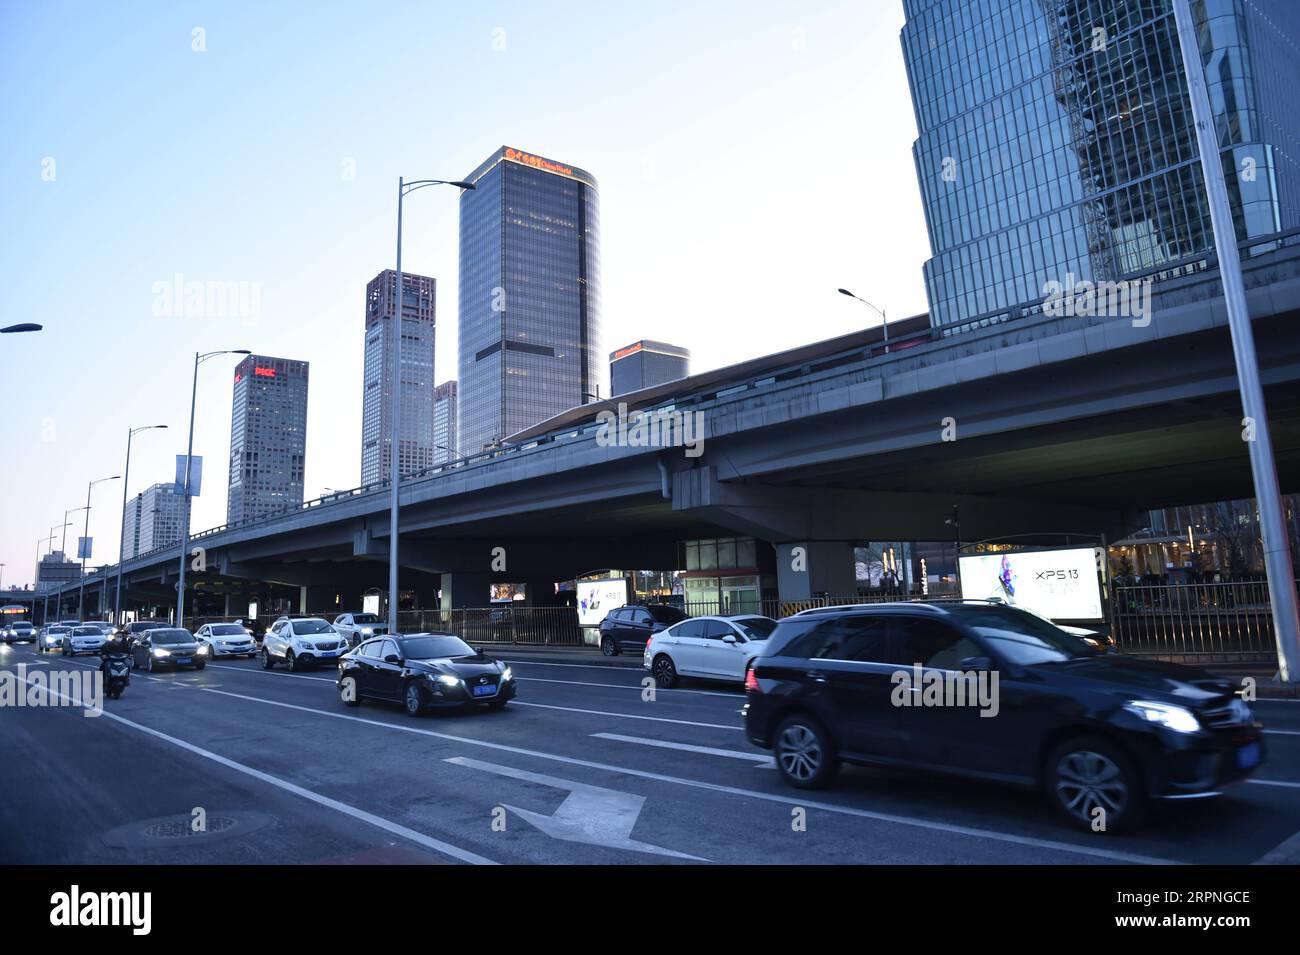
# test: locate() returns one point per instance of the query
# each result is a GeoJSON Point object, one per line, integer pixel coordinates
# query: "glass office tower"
{"type": "Point", "coordinates": [1055, 140]}
{"type": "Point", "coordinates": [646, 363]}
{"type": "Point", "coordinates": [268, 437]}
{"type": "Point", "coordinates": [529, 295]}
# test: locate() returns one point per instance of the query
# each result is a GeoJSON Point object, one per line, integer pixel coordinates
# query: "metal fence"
{"type": "Point", "coordinates": [1226, 621]}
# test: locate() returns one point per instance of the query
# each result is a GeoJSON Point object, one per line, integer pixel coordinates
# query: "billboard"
{"type": "Point", "coordinates": [196, 474]}
{"type": "Point", "coordinates": [1058, 584]}
{"type": "Point", "coordinates": [598, 597]}
{"type": "Point", "coordinates": [84, 545]}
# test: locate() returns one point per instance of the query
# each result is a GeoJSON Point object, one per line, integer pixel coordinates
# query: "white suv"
{"type": "Point", "coordinates": [356, 627]}
{"type": "Point", "coordinates": [301, 641]}
{"type": "Point", "coordinates": [715, 648]}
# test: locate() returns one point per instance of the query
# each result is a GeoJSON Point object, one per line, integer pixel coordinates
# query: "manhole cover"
{"type": "Point", "coordinates": [178, 830]}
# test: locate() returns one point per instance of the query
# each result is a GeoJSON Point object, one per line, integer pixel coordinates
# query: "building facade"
{"type": "Point", "coordinates": [445, 408]}
{"type": "Point", "coordinates": [529, 295]}
{"type": "Point", "coordinates": [153, 520]}
{"type": "Point", "coordinates": [646, 363]}
{"type": "Point", "coordinates": [1056, 144]}
{"type": "Point", "coordinates": [268, 437]}
{"type": "Point", "coordinates": [55, 570]}
{"type": "Point", "coordinates": [416, 448]}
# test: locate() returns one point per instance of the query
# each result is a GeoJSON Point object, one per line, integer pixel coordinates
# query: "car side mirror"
{"type": "Point", "coordinates": [392, 658]}
{"type": "Point", "coordinates": [976, 663]}
{"type": "Point", "coordinates": [729, 639]}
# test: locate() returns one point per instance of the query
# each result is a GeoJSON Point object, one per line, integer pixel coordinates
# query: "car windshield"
{"type": "Point", "coordinates": [87, 632]}
{"type": "Point", "coordinates": [25, 626]}
{"type": "Point", "coordinates": [228, 630]}
{"type": "Point", "coordinates": [57, 630]}
{"type": "Point", "coordinates": [171, 636]}
{"type": "Point", "coordinates": [663, 614]}
{"type": "Point", "coordinates": [1026, 639]}
{"type": "Point", "coordinates": [436, 647]}
{"type": "Point", "coordinates": [756, 628]}
{"type": "Point", "coordinates": [365, 618]}
{"type": "Point", "coordinates": [311, 626]}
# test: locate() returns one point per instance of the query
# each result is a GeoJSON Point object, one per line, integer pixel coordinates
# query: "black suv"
{"type": "Point", "coordinates": [630, 627]}
{"type": "Point", "coordinates": [996, 693]}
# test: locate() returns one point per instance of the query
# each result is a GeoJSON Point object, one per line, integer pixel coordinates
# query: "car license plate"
{"type": "Point", "coordinates": [486, 690]}
{"type": "Point", "coordinates": [1248, 756]}
{"type": "Point", "coordinates": [329, 653]}
{"type": "Point", "coordinates": [182, 661]}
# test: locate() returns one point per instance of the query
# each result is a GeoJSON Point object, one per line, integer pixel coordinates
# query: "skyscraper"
{"type": "Point", "coordinates": [416, 451]}
{"type": "Point", "coordinates": [153, 520]}
{"type": "Point", "coordinates": [646, 363]}
{"type": "Point", "coordinates": [1056, 140]}
{"type": "Point", "coordinates": [529, 294]}
{"type": "Point", "coordinates": [444, 423]}
{"type": "Point", "coordinates": [268, 437]}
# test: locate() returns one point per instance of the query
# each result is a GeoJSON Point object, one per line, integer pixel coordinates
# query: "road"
{"type": "Point", "coordinates": [579, 769]}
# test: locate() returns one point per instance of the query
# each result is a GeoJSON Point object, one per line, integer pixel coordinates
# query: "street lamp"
{"type": "Point", "coordinates": [121, 542]}
{"type": "Point", "coordinates": [189, 458]}
{"type": "Point", "coordinates": [884, 322]}
{"type": "Point", "coordinates": [45, 614]}
{"type": "Point", "coordinates": [81, 591]}
{"type": "Point", "coordinates": [395, 426]}
{"type": "Point", "coordinates": [21, 327]}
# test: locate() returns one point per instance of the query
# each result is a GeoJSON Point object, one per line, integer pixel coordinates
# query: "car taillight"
{"type": "Point", "coordinates": [751, 682]}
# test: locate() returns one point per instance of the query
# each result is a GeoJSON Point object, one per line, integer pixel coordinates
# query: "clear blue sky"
{"type": "Point", "coordinates": [752, 157]}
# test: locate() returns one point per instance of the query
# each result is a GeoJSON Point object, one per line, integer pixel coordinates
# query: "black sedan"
{"type": "Point", "coordinates": [424, 671]}
{"type": "Point", "coordinates": [168, 646]}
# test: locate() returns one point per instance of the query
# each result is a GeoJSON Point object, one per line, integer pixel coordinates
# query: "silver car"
{"type": "Point", "coordinates": [226, 640]}
{"type": "Point", "coordinates": [88, 638]}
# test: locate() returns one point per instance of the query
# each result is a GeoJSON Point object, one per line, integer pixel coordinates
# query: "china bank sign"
{"type": "Point", "coordinates": [537, 162]}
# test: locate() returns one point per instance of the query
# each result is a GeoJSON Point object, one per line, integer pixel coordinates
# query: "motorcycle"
{"type": "Point", "coordinates": [117, 673]}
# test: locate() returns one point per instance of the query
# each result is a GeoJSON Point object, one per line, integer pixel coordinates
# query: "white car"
{"type": "Point", "coordinates": [301, 641]}
{"type": "Point", "coordinates": [715, 648]}
{"type": "Point", "coordinates": [52, 638]}
{"type": "Point", "coordinates": [88, 638]}
{"type": "Point", "coordinates": [226, 640]}
{"type": "Point", "coordinates": [356, 627]}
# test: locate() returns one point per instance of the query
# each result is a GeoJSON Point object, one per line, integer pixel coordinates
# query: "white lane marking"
{"type": "Point", "coordinates": [575, 666]}
{"type": "Point", "coordinates": [634, 686]}
{"type": "Point", "coordinates": [379, 822]}
{"type": "Point", "coordinates": [689, 748]}
{"type": "Point", "coordinates": [1273, 782]}
{"type": "Point", "coordinates": [1282, 732]}
{"type": "Point", "coordinates": [792, 800]}
{"type": "Point", "coordinates": [292, 676]}
{"type": "Point", "coordinates": [591, 814]}
{"type": "Point", "coordinates": [627, 716]}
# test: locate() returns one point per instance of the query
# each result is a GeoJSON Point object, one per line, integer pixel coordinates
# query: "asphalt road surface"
{"type": "Point", "coordinates": [579, 769]}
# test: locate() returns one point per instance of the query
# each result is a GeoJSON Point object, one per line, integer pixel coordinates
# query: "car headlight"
{"type": "Point", "coordinates": [204, 649]}
{"type": "Point", "coordinates": [507, 674]}
{"type": "Point", "coordinates": [1177, 718]}
{"type": "Point", "coordinates": [447, 680]}
{"type": "Point", "coordinates": [160, 652]}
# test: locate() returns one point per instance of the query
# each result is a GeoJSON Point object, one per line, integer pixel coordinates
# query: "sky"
{"type": "Point", "coordinates": [752, 157]}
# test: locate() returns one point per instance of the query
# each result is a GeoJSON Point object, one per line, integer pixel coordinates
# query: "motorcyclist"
{"type": "Point", "coordinates": [119, 642]}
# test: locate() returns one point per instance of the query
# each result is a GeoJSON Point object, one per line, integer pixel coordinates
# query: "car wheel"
{"type": "Point", "coordinates": [291, 661]}
{"type": "Point", "coordinates": [413, 699]}
{"type": "Point", "coordinates": [348, 687]}
{"type": "Point", "coordinates": [267, 663]}
{"type": "Point", "coordinates": [665, 673]}
{"type": "Point", "coordinates": [149, 663]}
{"type": "Point", "coordinates": [498, 704]}
{"type": "Point", "coordinates": [1087, 774]}
{"type": "Point", "coordinates": [135, 663]}
{"type": "Point", "coordinates": [609, 647]}
{"type": "Point", "coordinates": [804, 752]}
{"type": "Point", "coordinates": [201, 664]}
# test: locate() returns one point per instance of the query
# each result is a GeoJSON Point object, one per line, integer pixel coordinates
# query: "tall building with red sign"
{"type": "Point", "coordinates": [416, 451]}
{"type": "Point", "coordinates": [529, 295]}
{"type": "Point", "coordinates": [268, 437]}
{"type": "Point", "coordinates": [646, 363]}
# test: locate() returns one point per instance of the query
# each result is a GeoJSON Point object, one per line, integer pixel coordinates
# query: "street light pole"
{"type": "Point", "coordinates": [45, 618]}
{"type": "Point", "coordinates": [1268, 495]}
{"type": "Point", "coordinates": [189, 465]}
{"type": "Point", "coordinates": [395, 425]}
{"type": "Point", "coordinates": [121, 541]}
{"type": "Point", "coordinates": [81, 590]}
{"type": "Point", "coordinates": [884, 322]}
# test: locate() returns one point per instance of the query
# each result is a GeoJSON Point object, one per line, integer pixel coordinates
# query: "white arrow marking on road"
{"type": "Point", "coordinates": [765, 762]}
{"type": "Point", "coordinates": [591, 814]}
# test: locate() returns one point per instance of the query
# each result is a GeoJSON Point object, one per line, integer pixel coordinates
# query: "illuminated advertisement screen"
{"type": "Point", "coordinates": [598, 597]}
{"type": "Point", "coordinates": [1058, 584]}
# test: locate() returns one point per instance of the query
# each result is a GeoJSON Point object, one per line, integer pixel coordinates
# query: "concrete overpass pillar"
{"type": "Point", "coordinates": [318, 599]}
{"type": "Point", "coordinates": [462, 590]}
{"type": "Point", "coordinates": [807, 569]}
